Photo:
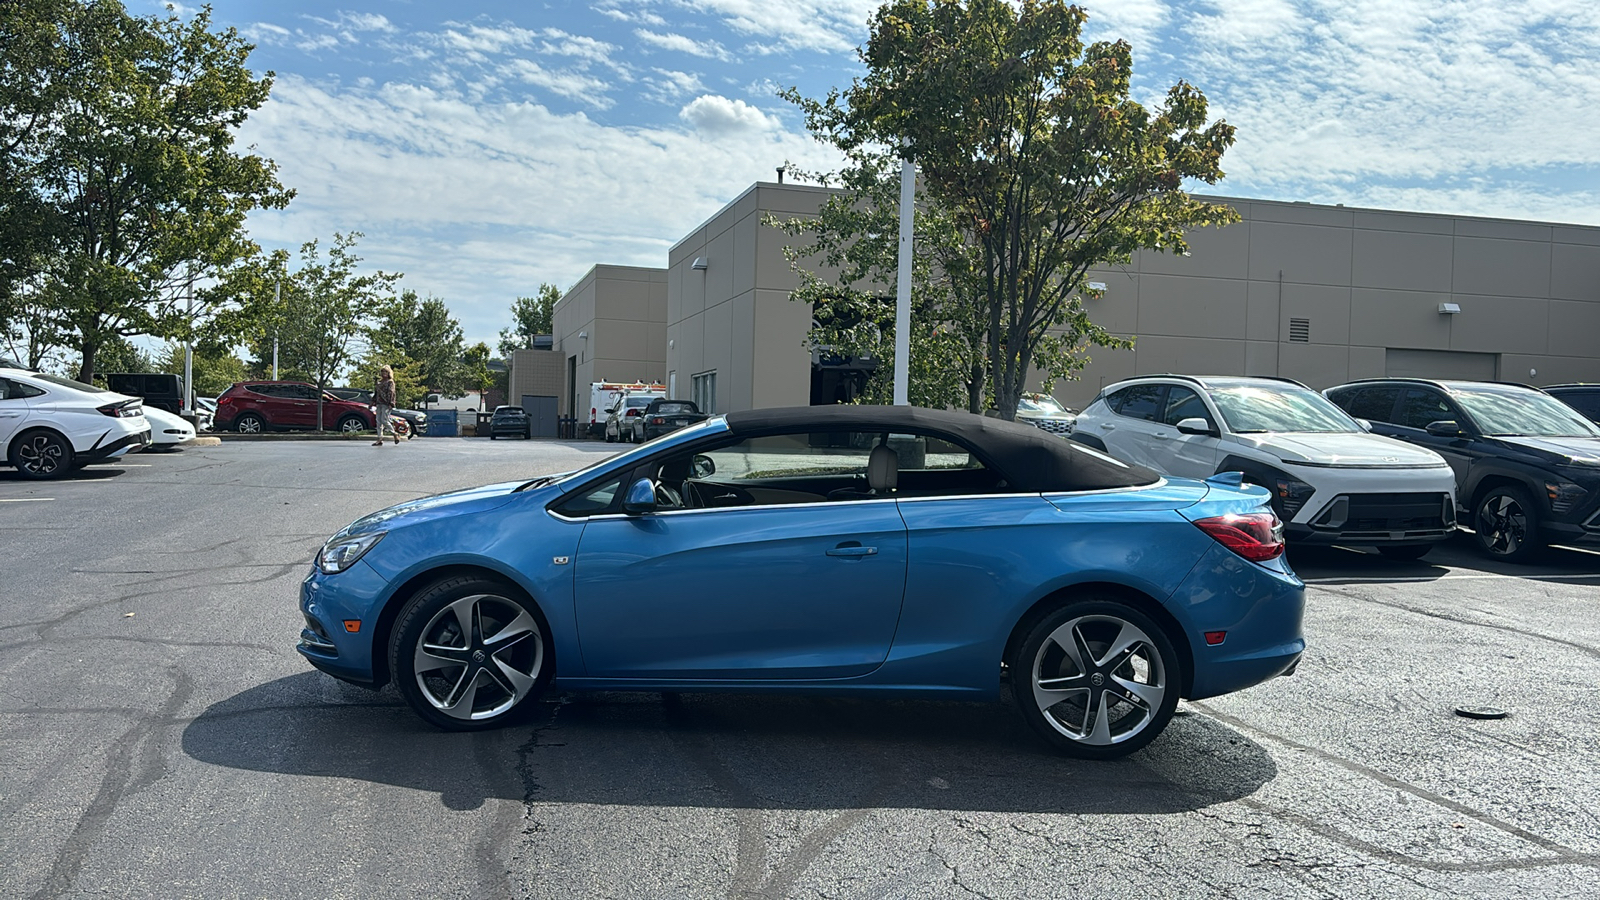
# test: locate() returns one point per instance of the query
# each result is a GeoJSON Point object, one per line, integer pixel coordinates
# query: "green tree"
{"type": "Point", "coordinates": [422, 331]}
{"type": "Point", "coordinates": [123, 159]}
{"type": "Point", "coordinates": [328, 309]}
{"type": "Point", "coordinates": [120, 355]}
{"type": "Point", "coordinates": [479, 377]}
{"type": "Point", "coordinates": [530, 316]}
{"type": "Point", "coordinates": [1030, 141]}
{"type": "Point", "coordinates": [215, 369]}
{"type": "Point", "coordinates": [847, 258]}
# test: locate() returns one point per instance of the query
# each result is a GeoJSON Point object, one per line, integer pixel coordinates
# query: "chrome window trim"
{"type": "Point", "coordinates": [1158, 483]}
{"type": "Point", "coordinates": [726, 509]}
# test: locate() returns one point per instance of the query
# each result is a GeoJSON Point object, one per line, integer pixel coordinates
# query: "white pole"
{"type": "Point", "coordinates": [277, 301]}
{"type": "Point", "coordinates": [902, 305]}
{"type": "Point", "coordinates": [188, 356]}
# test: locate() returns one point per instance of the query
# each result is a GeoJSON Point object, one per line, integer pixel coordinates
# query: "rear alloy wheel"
{"type": "Point", "coordinates": [1507, 523]}
{"type": "Point", "coordinates": [352, 425]}
{"type": "Point", "coordinates": [39, 455]}
{"type": "Point", "coordinates": [1097, 678]}
{"type": "Point", "coordinates": [469, 654]}
{"type": "Point", "coordinates": [249, 424]}
{"type": "Point", "coordinates": [1405, 552]}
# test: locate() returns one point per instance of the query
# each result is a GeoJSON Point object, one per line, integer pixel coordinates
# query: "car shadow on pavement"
{"type": "Point", "coordinates": [1457, 556]}
{"type": "Point", "coordinates": [92, 473]}
{"type": "Point", "coordinates": [722, 751]}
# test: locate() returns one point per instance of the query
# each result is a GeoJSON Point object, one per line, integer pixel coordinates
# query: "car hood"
{"type": "Point", "coordinates": [1581, 450]}
{"type": "Point", "coordinates": [1344, 450]}
{"type": "Point", "coordinates": [455, 503]}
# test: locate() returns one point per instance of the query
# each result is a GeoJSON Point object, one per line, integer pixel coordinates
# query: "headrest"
{"type": "Point", "coordinates": [676, 469]}
{"type": "Point", "coordinates": [883, 469]}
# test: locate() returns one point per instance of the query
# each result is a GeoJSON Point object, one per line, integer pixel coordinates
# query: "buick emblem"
{"type": "Point", "coordinates": [1097, 679]}
{"type": "Point", "coordinates": [477, 656]}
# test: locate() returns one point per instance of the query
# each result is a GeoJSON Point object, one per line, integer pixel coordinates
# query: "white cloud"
{"type": "Point", "coordinates": [1139, 22]}
{"type": "Point", "coordinates": [315, 42]}
{"type": "Point", "coordinates": [716, 115]}
{"type": "Point", "coordinates": [832, 26]}
{"type": "Point", "coordinates": [676, 42]}
{"type": "Point", "coordinates": [572, 85]}
{"type": "Point", "coordinates": [577, 46]}
{"type": "Point", "coordinates": [480, 202]}
{"type": "Point", "coordinates": [668, 85]}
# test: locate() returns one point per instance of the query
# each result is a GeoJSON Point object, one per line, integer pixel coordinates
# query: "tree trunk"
{"type": "Point", "coordinates": [86, 368]}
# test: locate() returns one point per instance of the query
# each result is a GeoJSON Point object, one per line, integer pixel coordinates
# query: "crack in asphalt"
{"type": "Point", "coordinates": [135, 761]}
{"type": "Point", "coordinates": [1561, 854]}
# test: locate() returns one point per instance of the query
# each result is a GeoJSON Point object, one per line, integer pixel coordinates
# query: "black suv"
{"type": "Point", "coordinates": [1585, 398]}
{"type": "Point", "coordinates": [1527, 465]}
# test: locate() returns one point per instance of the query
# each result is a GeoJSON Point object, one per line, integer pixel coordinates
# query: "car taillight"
{"type": "Point", "coordinates": [1256, 536]}
{"type": "Point", "coordinates": [224, 401]}
{"type": "Point", "coordinates": [127, 409]}
{"type": "Point", "coordinates": [657, 420]}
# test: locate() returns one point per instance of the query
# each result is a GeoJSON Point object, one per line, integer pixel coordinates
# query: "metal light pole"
{"type": "Point", "coordinates": [188, 354]}
{"type": "Point", "coordinates": [902, 305]}
{"type": "Point", "coordinates": [277, 303]}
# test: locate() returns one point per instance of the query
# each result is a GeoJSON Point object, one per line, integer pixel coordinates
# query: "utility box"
{"type": "Point", "coordinates": [442, 423]}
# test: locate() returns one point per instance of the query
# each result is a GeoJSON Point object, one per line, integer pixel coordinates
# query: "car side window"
{"type": "Point", "coordinates": [590, 501]}
{"type": "Point", "coordinates": [1142, 401]}
{"type": "Point", "coordinates": [1418, 408]}
{"type": "Point", "coordinates": [1586, 402]}
{"type": "Point", "coordinates": [1183, 403]}
{"type": "Point", "coordinates": [1375, 404]}
{"type": "Point", "coordinates": [16, 390]}
{"type": "Point", "coordinates": [265, 390]}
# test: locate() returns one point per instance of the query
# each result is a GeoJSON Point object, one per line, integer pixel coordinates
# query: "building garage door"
{"type": "Point", "coordinates": [1448, 364]}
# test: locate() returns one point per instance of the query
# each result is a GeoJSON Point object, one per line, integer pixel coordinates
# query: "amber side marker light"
{"type": "Point", "coordinates": [1216, 637]}
{"type": "Point", "coordinates": [352, 625]}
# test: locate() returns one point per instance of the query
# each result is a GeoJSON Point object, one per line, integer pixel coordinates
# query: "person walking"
{"type": "Point", "coordinates": [385, 400]}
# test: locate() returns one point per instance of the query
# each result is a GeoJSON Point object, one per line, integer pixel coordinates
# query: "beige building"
{"type": "Point", "coordinates": [734, 338]}
{"type": "Point", "coordinates": [1317, 293]}
{"type": "Point", "coordinates": [611, 326]}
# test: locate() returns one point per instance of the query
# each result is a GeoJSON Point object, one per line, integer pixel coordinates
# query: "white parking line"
{"type": "Point", "coordinates": [28, 500]}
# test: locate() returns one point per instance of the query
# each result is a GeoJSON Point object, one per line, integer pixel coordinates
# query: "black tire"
{"type": "Point", "coordinates": [42, 454]}
{"type": "Point", "coordinates": [527, 434]}
{"type": "Point", "coordinates": [1132, 717]}
{"type": "Point", "coordinates": [1405, 552]}
{"type": "Point", "coordinates": [352, 425]}
{"type": "Point", "coordinates": [494, 695]}
{"type": "Point", "coordinates": [1507, 525]}
{"type": "Point", "coordinates": [609, 438]}
{"type": "Point", "coordinates": [249, 423]}
{"type": "Point", "coordinates": [493, 437]}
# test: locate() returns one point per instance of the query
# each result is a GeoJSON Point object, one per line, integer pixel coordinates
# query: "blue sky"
{"type": "Point", "coordinates": [484, 147]}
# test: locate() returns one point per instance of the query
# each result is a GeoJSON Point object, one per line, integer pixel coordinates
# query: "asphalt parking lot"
{"type": "Point", "coordinates": [161, 737]}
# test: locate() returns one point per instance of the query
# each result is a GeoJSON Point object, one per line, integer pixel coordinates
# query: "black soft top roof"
{"type": "Point", "coordinates": [1030, 459]}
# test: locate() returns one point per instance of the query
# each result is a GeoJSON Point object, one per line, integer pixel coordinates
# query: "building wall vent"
{"type": "Point", "coordinates": [1300, 331]}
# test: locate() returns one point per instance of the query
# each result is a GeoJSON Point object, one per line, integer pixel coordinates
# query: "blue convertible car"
{"type": "Point", "coordinates": [847, 549]}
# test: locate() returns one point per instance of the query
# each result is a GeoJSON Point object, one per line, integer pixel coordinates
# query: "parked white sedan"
{"type": "Point", "coordinates": [51, 425]}
{"type": "Point", "coordinates": [167, 431]}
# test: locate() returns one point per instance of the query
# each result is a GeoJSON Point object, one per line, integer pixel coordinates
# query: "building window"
{"type": "Point", "coordinates": [705, 392]}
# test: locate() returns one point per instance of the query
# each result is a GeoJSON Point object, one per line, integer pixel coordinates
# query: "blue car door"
{"type": "Point", "coordinates": [756, 592]}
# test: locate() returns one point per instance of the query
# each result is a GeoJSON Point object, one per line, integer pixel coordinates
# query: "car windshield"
{"type": "Point", "coordinates": [1255, 409]}
{"type": "Point", "coordinates": [1041, 403]}
{"type": "Point", "coordinates": [641, 450]}
{"type": "Point", "coordinates": [1523, 413]}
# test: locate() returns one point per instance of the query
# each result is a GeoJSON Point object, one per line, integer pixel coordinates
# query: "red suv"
{"type": "Point", "coordinates": [252, 407]}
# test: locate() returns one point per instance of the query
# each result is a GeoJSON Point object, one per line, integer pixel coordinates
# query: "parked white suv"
{"type": "Point", "coordinates": [1331, 481]}
{"type": "Point", "coordinates": [50, 426]}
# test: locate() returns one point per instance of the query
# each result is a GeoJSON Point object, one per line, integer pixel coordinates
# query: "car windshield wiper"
{"type": "Point", "coordinates": [537, 482]}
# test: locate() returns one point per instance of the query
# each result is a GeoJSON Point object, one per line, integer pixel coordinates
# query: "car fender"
{"type": "Point", "coordinates": [1485, 473]}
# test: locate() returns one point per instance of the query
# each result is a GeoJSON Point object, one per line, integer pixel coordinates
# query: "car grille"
{"type": "Point", "coordinates": [1054, 426]}
{"type": "Point", "coordinates": [1387, 514]}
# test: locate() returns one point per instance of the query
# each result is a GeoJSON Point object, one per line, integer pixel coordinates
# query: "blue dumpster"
{"type": "Point", "coordinates": [442, 423]}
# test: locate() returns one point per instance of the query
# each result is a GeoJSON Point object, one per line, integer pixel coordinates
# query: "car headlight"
{"type": "Point", "coordinates": [1563, 495]}
{"type": "Point", "coordinates": [340, 553]}
{"type": "Point", "coordinates": [1290, 495]}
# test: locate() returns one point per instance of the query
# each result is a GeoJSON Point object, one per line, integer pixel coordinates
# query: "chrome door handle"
{"type": "Point", "coordinates": [10, 415]}
{"type": "Point", "coordinates": [1161, 437]}
{"type": "Point", "coordinates": [1107, 426]}
{"type": "Point", "coordinates": [853, 552]}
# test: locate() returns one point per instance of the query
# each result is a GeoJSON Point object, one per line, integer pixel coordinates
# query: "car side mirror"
{"type": "Point", "coordinates": [1445, 428]}
{"type": "Point", "coordinates": [610, 410]}
{"type": "Point", "coordinates": [703, 467]}
{"type": "Point", "coordinates": [1364, 424]}
{"type": "Point", "coordinates": [1196, 425]}
{"type": "Point", "coordinates": [641, 498]}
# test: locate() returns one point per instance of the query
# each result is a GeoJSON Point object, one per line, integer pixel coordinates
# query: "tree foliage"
{"type": "Point", "coordinates": [119, 155]}
{"type": "Point", "coordinates": [215, 370]}
{"type": "Point", "coordinates": [530, 316]}
{"type": "Point", "coordinates": [422, 335]}
{"type": "Point", "coordinates": [1028, 140]}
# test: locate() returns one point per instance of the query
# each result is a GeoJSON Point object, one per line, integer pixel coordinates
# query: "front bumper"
{"type": "Point", "coordinates": [329, 601]}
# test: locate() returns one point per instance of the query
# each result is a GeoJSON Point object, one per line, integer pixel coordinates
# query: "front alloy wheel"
{"type": "Point", "coordinates": [42, 454]}
{"type": "Point", "coordinates": [352, 425]}
{"type": "Point", "coordinates": [1102, 679]}
{"type": "Point", "coordinates": [1508, 525]}
{"type": "Point", "coordinates": [469, 654]}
